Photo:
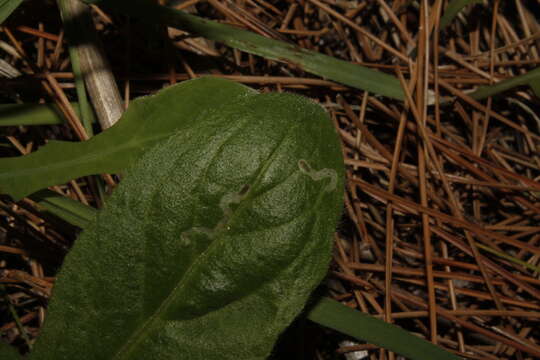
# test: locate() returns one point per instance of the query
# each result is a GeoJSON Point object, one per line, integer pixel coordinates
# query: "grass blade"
{"type": "Point", "coordinates": [513, 259]}
{"type": "Point", "coordinates": [532, 78]}
{"type": "Point", "coordinates": [7, 7]}
{"type": "Point", "coordinates": [31, 114]}
{"type": "Point", "coordinates": [72, 211]}
{"type": "Point", "coordinates": [453, 9]}
{"type": "Point", "coordinates": [337, 316]}
{"type": "Point", "coordinates": [322, 65]}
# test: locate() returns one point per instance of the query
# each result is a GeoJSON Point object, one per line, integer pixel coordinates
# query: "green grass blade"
{"type": "Point", "coordinates": [31, 114]}
{"type": "Point", "coordinates": [337, 316]}
{"type": "Point", "coordinates": [7, 7]}
{"type": "Point", "coordinates": [322, 65]}
{"type": "Point", "coordinates": [532, 78]}
{"type": "Point", "coordinates": [509, 257]}
{"type": "Point", "coordinates": [67, 209]}
{"type": "Point", "coordinates": [453, 8]}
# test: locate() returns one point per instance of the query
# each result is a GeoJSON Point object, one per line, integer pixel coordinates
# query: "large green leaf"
{"type": "Point", "coordinates": [211, 244]}
{"type": "Point", "coordinates": [147, 121]}
{"type": "Point", "coordinates": [7, 7]}
{"type": "Point", "coordinates": [313, 62]}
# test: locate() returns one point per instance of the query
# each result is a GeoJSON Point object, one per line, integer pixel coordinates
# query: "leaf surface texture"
{"type": "Point", "coordinates": [211, 244]}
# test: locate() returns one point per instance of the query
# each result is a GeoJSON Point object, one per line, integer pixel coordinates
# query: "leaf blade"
{"type": "Point", "coordinates": [322, 65]}
{"type": "Point", "coordinates": [364, 327]}
{"type": "Point", "coordinates": [7, 7]}
{"type": "Point", "coordinates": [223, 261]}
{"type": "Point", "coordinates": [114, 150]}
{"type": "Point", "coordinates": [531, 78]}
{"type": "Point", "coordinates": [72, 211]}
{"type": "Point", "coordinates": [453, 8]}
{"type": "Point", "coordinates": [31, 114]}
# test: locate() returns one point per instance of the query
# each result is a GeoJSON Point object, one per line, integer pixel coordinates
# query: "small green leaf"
{"type": "Point", "coordinates": [147, 121]}
{"type": "Point", "coordinates": [211, 244]}
{"type": "Point", "coordinates": [7, 7]}
{"type": "Point", "coordinates": [72, 211]}
{"type": "Point", "coordinates": [335, 315]}
{"type": "Point", "coordinates": [453, 8]}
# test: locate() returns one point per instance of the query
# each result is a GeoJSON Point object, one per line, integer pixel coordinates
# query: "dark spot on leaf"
{"type": "Point", "coordinates": [304, 166]}
{"type": "Point", "coordinates": [244, 190]}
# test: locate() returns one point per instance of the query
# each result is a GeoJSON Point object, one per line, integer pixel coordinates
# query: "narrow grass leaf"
{"type": "Point", "coordinates": [31, 114]}
{"type": "Point", "coordinates": [453, 8]}
{"type": "Point", "coordinates": [333, 314]}
{"type": "Point", "coordinates": [532, 78]}
{"type": "Point", "coordinates": [7, 7]}
{"type": "Point", "coordinates": [322, 65]}
{"type": "Point", "coordinates": [511, 258]}
{"type": "Point", "coordinates": [72, 211]}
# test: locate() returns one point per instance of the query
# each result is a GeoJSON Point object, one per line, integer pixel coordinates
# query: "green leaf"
{"type": "Point", "coordinates": [510, 258]}
{"type": "Point", "coordinates": [147, 121]}
{"type": "Point", "coordinates": [31, 114]}
{"type": "Point", "coordinates": [532, 78]}
{"type": "Point", "coordinates": [335, 315]}
{"type": "Point", "coordinates": [7, 7]}
{"type": "Point", "coordinates": [211, 244]}
{"type": "Point", "coordinates": [313, 62]}
{"type": "Point", "coordinates": [453, 8]}
{"type": "Point", "coordinates": [535, 86]}
{"type": "Point", "coordinates": [72, 211]}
